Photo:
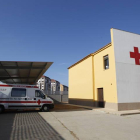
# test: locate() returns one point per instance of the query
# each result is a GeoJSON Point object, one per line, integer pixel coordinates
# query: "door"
{"type": "Point", "coordinates": [35, 98]}
{"type": "Point", "coordinates": [100, 97]}
{"type": "Point", "coordinates": [38, 97]}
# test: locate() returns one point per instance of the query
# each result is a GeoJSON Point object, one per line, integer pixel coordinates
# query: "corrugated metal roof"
{"type": "Point", "coordinates": [17, 72]}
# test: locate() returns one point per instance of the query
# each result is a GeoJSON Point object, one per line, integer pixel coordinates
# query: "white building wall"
{"type": "Point", "coordinates": [127, 72]}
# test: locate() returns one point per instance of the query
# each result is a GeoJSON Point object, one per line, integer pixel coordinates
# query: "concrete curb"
{"type": "Point", "coordinates": [129, 112]}
{"type": "Point", "coordinates": [107, 111]}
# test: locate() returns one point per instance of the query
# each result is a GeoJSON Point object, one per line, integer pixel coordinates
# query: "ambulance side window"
{"type": "Point", "coordinates": [18, 92]}
{"type": "Point", "coordinates": [38, 93]}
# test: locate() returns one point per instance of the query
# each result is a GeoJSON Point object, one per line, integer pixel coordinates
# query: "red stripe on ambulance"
{"type": "Point", "coordinates": [18, 86]}
{"type": "Point", "coordinates": [25, 102]}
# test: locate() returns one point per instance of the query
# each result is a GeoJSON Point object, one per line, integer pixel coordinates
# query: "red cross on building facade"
{"type": "Point", "coordinates": [135, 55]}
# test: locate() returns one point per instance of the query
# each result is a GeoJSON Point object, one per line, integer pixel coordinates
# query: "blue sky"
{"type": "Point", "coordinates": [61, 31]}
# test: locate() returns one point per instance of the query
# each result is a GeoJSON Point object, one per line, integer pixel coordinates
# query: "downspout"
{"type": "Point", "coordinates": [93, 80]}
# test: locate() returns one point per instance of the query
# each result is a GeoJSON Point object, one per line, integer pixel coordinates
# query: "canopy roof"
{"type": "Point", "coordinates": [16, 72]}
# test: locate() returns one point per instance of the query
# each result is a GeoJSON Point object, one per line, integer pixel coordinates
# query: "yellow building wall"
{"type": "Point", "coordinates": [81, 80]}
{"type": "Point", "coordinates": [105, 79]}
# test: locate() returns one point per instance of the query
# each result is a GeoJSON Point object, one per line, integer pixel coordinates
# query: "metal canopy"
{"type": "Point", "coordinates": [16, 72]}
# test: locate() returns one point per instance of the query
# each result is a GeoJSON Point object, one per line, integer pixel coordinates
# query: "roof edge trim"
{"type": "Point", "coordinates": [101, 49]}
{"type": "Point", "coordinates": [80, 60]}
{"type": "Point", "coordinates": [92, 54]}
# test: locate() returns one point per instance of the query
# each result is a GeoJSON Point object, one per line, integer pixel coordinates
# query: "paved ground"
{"type": "Point", "coordinates": [29, 125]}
{"type": "Point", "coordinates": [93, 125]}
{"type": "Point", "coordinates": [68, 124]}
{"type": "Point", "coordinates": [26, 126]}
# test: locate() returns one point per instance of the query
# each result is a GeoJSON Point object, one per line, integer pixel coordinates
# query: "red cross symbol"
{"type": "Point", "coordinates": [135, 55]}
{"type": "Point", "coordinates": [38, 102]}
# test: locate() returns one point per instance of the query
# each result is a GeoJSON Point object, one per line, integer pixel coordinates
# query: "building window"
{"type": "Point", "coordinates": [106, 62]}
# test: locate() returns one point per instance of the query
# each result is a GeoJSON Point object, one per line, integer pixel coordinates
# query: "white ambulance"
{"type": "Point", "coordinates": [23, 97]}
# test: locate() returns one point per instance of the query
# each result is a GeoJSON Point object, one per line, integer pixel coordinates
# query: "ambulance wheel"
{"type": "Point", "coordinates": [1, 109]}
{"type": "Point", "coordinates": [45, 108]}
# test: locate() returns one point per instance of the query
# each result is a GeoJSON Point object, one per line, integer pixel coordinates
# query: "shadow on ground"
{"type": "Point", "coordinates": [29, 125]}
{"type": "Point", "coordinates": [67, 107]}
{"type": "Point", "coordinates": [6, 125]}
{"type": "Point", "coordinates": [26, 125]}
